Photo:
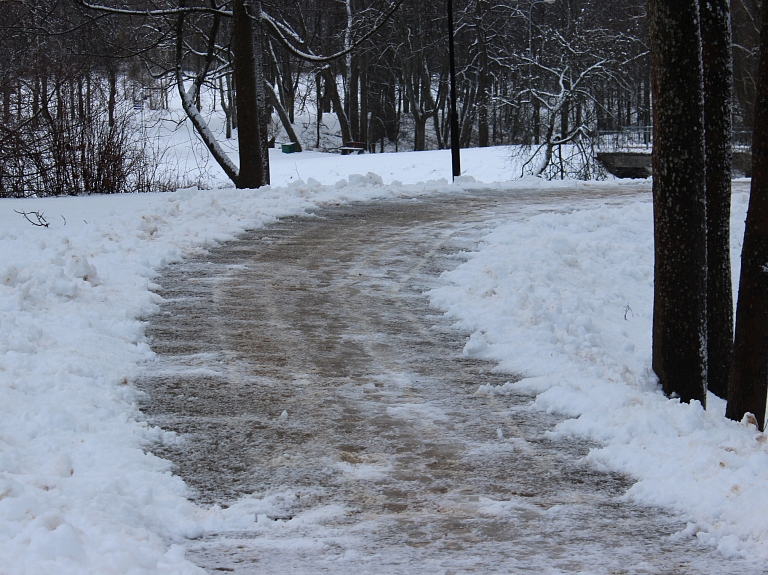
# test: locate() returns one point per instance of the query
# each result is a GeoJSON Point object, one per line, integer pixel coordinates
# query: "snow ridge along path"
{"type": "Point", "coordinates": [315, 391]}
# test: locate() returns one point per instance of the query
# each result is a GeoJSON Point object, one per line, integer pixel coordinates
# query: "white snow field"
{"type": "Point", "coordinates": [564, 298]}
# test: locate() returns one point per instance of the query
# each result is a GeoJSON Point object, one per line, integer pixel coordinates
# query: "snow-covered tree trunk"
{"type": "Point", "coordinates": [189, 98]}
{"type": "Point", "coordinates": [718, 82]}
{"type": "Point", "coordinates": [201, 127]}
{"type": "Point", "coordinates": [679, 307]}
{"type": "Point", "coordinates": [749, 373]}
{"type": "Point", "coordinates": [283, 114]}
{"type": "Point", "coordinates": [226, 105]}
{"type": "Point", "coordinates": [332, 91]}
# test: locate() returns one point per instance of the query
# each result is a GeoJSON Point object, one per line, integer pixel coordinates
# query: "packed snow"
{"type": "Point", "coordinates": [563, 298]}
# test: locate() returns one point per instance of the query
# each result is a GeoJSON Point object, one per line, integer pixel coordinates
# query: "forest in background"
{"type": "Point", "coordinates": [531, 73]}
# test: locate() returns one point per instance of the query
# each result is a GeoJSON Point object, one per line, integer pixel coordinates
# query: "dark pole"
{"type": "Point", "coordinates": [455, 154]}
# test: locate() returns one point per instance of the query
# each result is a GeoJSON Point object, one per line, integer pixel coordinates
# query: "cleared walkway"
{"type": "Point", "coordinates": [386, 461]}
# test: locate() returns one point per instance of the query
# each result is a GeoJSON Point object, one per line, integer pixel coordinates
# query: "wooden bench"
{"type": "Point", "coordinates": [352, 147]}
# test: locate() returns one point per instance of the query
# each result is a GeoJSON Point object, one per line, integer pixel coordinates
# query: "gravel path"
{"type": "Point", "coordinates": [386, 461]}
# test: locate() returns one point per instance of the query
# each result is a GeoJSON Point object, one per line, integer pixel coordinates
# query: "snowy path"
{"type": "Point", "coordinates": [386, 462]}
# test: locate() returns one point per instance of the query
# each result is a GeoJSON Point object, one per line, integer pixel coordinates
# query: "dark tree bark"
{"type": "Point", "coordinates": [264, 114]}
{"type": "Point", "coordinates": [679, 307]}
{"type": "Point", "coordinates": [112, 96]}
{"type": "Point", "coordinates": [319, 119]}
{"type": "Point", "coordinates": [251, 136]}
{"type": "Point", "coordinates": [352, 99]}
{"type": "Point", "coordinates": [718, 82]}
{"type": "Point", "coordinates": [7, 104]}
{"type": "Point", "coordinates": [482, 79]}
{"type": "Point", "coordinates": [749, 372]}
{"type": "Point", "coordinates": [364, 89]}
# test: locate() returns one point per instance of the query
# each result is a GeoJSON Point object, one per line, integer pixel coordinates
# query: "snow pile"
{"type": "Point", "coordinates": [78, 493]}
{"type": "Point", "coordinates": [565, 300]}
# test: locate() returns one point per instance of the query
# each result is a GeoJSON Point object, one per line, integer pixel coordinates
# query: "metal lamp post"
{"type": "Point", "coordinates": [454, 115]}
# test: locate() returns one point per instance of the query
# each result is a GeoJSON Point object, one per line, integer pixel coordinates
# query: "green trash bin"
{"type": "Point", "coordinates": [289, 148]}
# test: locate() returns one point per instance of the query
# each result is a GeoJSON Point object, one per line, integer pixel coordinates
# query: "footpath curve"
{"type": "Point", "coordinates": [385, 460]}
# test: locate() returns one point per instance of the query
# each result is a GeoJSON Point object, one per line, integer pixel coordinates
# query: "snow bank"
{"type": "Point", "coordinates": [78, 492]}
{"type": "Point", "coordinates": [565, 300]}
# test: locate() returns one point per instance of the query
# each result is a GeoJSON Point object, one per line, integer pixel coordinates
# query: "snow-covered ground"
{"type": "Point", "coordinates": [567, 301]}
{"type": "Point", "coordinates": [180, 160]}
{"type": "Point", "coordinates": [78, 492]}
{"type": "Point", "coordinates": [185, 161]}
{"type": "Point", "coordinates": [564, 298]}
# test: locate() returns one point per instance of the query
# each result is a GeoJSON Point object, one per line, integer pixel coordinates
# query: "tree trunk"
{"type": "Point", "coordinates": [264, 114]}
{"type": "Point", "coordinates": [647, 110]}
{"type": "Point", "coordinates": [232, 99]}
{"type": "Point", "coordinates": [283, 113]}
{"type": "Point", "coordinates": [7, 104]}
{"type": "Point", "coordinates": [285, 86]}
{"type": "Point", "coordinates": [716, 43]}
{"type": "Point", "coordinates": [251, 136]}
{"type": "Point", "coordinates": [319, 119]}
{"type": "Point", "coordinates": [35, 100]}
{"type": "Point", "coordinates": [112, 96]}
{"type": "Point", "coordinates": [333, 91]}
{"type": "Point", "coordinates": [679, 306]}
{"type": "Point", "coordinates": [440, 111]}
{"type": "Point", "coordinates": [88, 97]}
{"type": "Point", "coordinates": [200, 125]}
{"type": "Point", "coordinates": [482, 79]}
{"type": "Point", "coordinates": [364, 91]}
{"type": "Point", "coordinates": [420, 132]}
{"type": "Point", "coordinates": [226, 98]}
{"type": "Point", "coordinates": [548, 146]}
{"type": "Point", "coordinates": [745, 66]}
{"type": "Point", "coordinates": [749, 372]}
{"type": "Point", "coordinates": [353, 100]}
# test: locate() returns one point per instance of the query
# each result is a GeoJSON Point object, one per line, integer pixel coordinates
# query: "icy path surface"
{"type": "Point", "coordinates": [385, 460]}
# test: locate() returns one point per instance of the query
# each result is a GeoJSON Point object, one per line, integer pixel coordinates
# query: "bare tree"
{"type": "Point", "coordinates": [250, 21]}
{"type": "Point", "coordinates": [62, 130]}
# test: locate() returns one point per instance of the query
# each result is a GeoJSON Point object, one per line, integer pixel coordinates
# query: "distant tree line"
{"type": "Point", "coordinates": [539, 73]}
{"type": "Point", "coordinates": [64, 129]}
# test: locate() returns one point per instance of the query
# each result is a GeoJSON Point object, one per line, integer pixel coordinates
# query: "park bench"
{"type": "Point", "coordinates": [351, 148]}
